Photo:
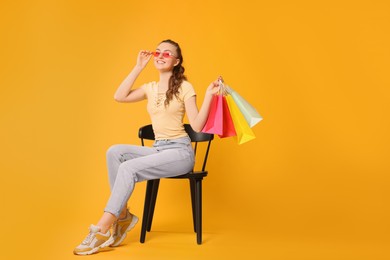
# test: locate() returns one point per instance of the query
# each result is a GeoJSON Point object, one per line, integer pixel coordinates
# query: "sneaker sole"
{"type": "Point", "coordinates": [133, 222]}
{"type": "Point", "coordinates": [96, 249]}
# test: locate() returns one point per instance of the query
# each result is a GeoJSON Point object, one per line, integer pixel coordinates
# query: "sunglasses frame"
{"type": "Point", "coordinates": [165, 54]}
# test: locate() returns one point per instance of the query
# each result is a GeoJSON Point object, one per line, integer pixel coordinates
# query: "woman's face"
{"type": "Point", "coordinates": [166, 59]}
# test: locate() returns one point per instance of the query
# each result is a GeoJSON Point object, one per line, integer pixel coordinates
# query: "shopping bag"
{"type": "Point", "coordinates": [249, 112]}
{"type": "Point", "coordinates": [214, 123]}
{"type": "Point", "coordinates": [228, 125]}
{"type": "Point", "coordinates": [243, 130]}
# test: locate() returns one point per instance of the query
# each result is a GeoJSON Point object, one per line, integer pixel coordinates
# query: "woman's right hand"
{"type": "Point", "coordinates": [143, 58]}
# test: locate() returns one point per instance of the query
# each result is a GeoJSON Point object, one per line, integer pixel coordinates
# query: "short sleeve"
{"type": "Point", "coordinates": [187, 91]}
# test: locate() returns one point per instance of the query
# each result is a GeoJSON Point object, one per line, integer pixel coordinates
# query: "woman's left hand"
{"type": "Point", "coordinates": [214, 87]}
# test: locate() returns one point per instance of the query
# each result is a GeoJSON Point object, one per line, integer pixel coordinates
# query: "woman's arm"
{"type": "Point", "coordinates": [124, 93]}
{"type": "Point", "coordinates": [198, 118]}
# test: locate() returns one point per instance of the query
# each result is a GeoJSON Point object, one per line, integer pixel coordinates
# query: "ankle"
{"type": "Point", "coordinates": [123, 215]}
{"type": "Point", "coordinates": [104, 229]}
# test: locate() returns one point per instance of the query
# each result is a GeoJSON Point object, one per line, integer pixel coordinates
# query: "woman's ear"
{"type": "Point", "coordinates": [177, 62]}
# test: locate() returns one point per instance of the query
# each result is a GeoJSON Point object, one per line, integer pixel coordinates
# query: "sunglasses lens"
{"type": "Point", "coordinates": [164, 54]}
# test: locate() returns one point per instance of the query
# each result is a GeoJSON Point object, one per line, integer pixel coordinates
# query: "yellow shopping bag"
{"type": "Point", "coordinates": [244, 132]}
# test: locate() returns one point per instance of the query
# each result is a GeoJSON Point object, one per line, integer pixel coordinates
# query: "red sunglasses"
{"type": "Point", "coordinates": [164, 54]}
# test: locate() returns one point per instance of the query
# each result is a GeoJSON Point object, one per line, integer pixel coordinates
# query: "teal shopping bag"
{"type": "Point", "coordinates": [249, 112]}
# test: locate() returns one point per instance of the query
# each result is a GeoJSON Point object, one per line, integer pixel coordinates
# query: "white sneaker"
{"type": "Point", "coordinates": [122, 226]}
{"type": "Point", "coordinates": [94, 241]}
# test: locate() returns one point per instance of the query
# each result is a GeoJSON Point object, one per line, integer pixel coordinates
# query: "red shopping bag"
{"type": "Point", "coordinates": [228, 126]}
{"type": "Point", "coordinates": [214, 123]}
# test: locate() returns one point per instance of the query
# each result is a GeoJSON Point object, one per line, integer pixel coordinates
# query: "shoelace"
{"type": "Point", "coordinates": [88, 239]}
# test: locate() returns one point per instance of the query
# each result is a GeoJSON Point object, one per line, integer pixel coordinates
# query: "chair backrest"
{"type": "Point", "coordinates": [146, 133]}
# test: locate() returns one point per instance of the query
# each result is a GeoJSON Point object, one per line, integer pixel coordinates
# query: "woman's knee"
{"type": "Point", "coordinates": [113, 151]}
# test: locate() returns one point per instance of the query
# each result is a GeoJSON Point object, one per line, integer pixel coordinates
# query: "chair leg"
{"type": "Point", "coordinates": [153, 199]}
{"type": "Point", "coordinates": [198, 198]}
{"type": "Point", "coordinates": [148, 195]}
{"type": "Point", "coordinates": [192, 188]}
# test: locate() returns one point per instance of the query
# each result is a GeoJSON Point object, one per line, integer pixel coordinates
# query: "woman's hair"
{"type": "Point", "coordinates": [177, 76]}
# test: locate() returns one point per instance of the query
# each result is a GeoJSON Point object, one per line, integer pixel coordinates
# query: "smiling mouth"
{"type": "Point", "coordinates": [160, 62]}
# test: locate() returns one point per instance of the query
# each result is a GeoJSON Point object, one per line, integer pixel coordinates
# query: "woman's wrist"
{"type": "Point", "coordinates": [138, 68]}
{"type": "Point", "coordinates": [208, 97]}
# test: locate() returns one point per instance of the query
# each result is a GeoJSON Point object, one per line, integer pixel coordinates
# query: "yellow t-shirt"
{"type": "Point", "coordinates": [167, 121]}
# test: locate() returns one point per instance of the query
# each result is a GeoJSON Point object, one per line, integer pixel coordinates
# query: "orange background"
{"type": "Point", "coordinates": [314, 184]}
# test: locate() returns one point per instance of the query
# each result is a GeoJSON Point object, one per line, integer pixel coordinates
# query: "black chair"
{"type": "Point", "coordinates": [195, 178]}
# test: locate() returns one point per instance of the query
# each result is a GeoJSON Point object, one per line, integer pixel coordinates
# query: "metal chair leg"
{"type": "Point", "coordinates": [192, 188]}
{"type": "Point", "coordinates": [198, 197]}
{"type": "Point", "coordinates": [145, 216]}
{"type": "Point", "coordinates": [153, 199]}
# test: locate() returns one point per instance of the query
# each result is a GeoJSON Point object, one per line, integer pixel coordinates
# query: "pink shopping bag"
{"type": "Point", "coordinates": [214, 123]}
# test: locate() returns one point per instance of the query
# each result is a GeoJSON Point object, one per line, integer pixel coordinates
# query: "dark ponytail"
{"type": "Point", "coordinates": [177, 75]}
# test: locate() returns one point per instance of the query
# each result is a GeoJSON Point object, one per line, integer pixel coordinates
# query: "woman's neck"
{"type": "Point", "coordinates": [164, 80]}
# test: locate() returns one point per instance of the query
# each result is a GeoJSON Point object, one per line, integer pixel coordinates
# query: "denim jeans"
{"type": "Point", "coordinates": [128, 164]}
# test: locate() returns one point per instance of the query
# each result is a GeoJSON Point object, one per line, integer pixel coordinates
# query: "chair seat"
{"type": "Point", "coordinates": [191, 175]}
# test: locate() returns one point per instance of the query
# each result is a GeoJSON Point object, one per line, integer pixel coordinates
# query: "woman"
{"type": "Point", "coordinates": [171, 154]}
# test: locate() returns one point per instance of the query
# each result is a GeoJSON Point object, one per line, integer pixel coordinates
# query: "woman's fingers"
{"type": "Point", "coordinates": [144, 57]}
{"type": "Point", "coordinates": [146, 53]}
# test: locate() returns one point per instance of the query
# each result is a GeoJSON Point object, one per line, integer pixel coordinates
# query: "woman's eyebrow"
{"type": "Point", "coordinates": [164, 50]}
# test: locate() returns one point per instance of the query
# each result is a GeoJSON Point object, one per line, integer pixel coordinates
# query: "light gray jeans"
{"type": "Point", "coordinates": [128, 164]}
